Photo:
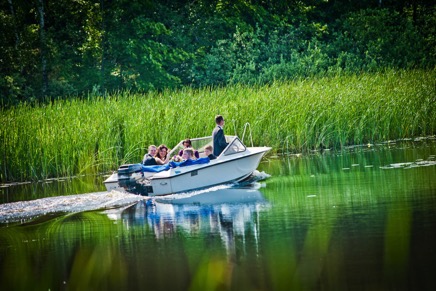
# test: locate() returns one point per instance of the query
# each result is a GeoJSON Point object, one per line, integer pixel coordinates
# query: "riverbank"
{"type": "Point", "coordinates": [65, 138]}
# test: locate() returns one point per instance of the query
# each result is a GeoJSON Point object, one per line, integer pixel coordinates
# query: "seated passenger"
{"type": "Point", "coordinates": [208, 151]}
{"type": "Point", "coordinates": [187, 154]}
{"type": "Point", "coordinates": [162, 156]}
{"type": "Point", "coordinates": [148, 159]}
{"type": "Point", "coordinates": [187, 144]}
{"type": "Point", "coordinates": [186, 159]}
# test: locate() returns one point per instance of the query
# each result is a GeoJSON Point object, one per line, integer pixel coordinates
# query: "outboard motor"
{"type": "Point", "coordinates": [129, 177]}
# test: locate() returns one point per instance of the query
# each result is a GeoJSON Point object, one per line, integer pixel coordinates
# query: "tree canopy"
{"type": "Point", "coordinates": [63, 48]}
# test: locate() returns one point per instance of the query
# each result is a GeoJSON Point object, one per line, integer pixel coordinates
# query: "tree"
{"type": "Point", "coordinates": [43, 46]}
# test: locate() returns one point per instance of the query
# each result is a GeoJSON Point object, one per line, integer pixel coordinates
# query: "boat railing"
{"type": "Point", "coordinates": [247, 125]}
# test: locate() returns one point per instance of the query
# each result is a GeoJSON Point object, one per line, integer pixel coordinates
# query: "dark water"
{"type": "Point", "coordinates": [364, 219]}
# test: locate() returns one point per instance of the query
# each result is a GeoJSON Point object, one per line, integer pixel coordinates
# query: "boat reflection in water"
{"type": "Point", "coordinates": [221, 210]}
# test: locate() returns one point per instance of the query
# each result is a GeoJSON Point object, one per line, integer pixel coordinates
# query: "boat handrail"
{"type": "Point", "coordinates": [247, 124]}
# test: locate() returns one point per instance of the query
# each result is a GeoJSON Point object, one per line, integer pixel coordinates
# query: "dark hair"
{"type": "Point", "coordinates": [162, 146]}
{"type": "Point", "coordinates": [218, 119]}
{"type": "Point", "coordinates": [188, 141]}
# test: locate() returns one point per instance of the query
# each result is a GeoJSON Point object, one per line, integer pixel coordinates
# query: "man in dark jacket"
{"type": "Point", "coordinates": [219, 140]}
{"type": "Point", "coordinates": [208, 151]}
{"type": "Point", "coordinates": [148, 159]}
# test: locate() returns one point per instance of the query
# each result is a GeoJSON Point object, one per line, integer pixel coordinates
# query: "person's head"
{"type": "Point", "coordinates": [162, 151]}
{"type": "Point", "coordinates": [219, 120]}
{"type": "Point", "coordinates": [187, 143]}
{"type": "Point", "coordinates": [187, 154]}
{"type": "Point", "coordinates": [208, 150]}
{"type": "Point", "coordinates": [152, 150]}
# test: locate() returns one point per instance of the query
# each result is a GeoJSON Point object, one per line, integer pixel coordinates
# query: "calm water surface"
{"type": "Point", "coordinates": [358, 220]}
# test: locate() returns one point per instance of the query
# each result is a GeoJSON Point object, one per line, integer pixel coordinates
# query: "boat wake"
{"type": "Point", "coordinates": [256, 176]}
{"type": "Point", "coordinates": [26, 210]}
{"type": "Point", "coordinates": [192, 193]}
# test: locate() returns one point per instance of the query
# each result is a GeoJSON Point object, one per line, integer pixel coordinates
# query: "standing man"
{"type": "Point", "coordinates": [219, 140]}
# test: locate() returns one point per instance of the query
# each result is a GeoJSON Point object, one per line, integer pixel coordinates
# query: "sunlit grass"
{"type": "Point", "coordinates": [97, 134]}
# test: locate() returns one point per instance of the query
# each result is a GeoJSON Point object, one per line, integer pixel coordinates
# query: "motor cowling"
{"type": "Point", "coordinates": [128, 176]}
{"type": "Point", "coordinates": [126, 171]}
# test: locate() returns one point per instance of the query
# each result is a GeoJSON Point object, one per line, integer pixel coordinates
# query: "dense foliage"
{"type": "Point", "coordinates": [56, 49]}
{"type": "Point", "coordinates": [67, 137]}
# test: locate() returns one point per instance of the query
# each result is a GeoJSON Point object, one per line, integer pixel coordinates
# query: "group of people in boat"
{"type": "Point", "coordinates": [161, 155]}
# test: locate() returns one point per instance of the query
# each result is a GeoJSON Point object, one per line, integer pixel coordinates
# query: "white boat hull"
{"type": "Point", "coordinates": [201, 176]}
{"type": "Point", "coordinates": [111, 183]}
{"type": "Point", "coordinates": [235, 164]}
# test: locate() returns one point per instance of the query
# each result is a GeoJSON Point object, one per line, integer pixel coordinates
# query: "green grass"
{"type": "Point", "coordinates": [65, 138]}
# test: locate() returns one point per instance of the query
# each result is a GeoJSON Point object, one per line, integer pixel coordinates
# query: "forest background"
{"type": "Point", "coordinates": [68, 49]}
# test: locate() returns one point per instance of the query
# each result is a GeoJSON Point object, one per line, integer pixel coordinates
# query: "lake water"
{"type": "Point", "coordinates": [363, 219]}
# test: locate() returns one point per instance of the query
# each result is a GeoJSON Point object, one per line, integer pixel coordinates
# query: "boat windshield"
{"type": "Point", "coordinates": [236, 146]}
{"type": "Point", "coordinates": [197, 143]}
{"type": "Point", "coordinates": [200, 143]}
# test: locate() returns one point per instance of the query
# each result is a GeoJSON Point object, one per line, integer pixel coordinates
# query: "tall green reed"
{"type": "Point", "coordinates": [75, 136]}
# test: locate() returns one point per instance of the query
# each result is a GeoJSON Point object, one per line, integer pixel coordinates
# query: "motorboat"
{"type": "Point", "coordinates": [235, 164]}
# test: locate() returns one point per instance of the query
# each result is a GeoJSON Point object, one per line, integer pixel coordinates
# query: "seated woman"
{"type": "Point", "coordinates": [187, 144]}
{"type": "Point", "coordinates": [162, 156]}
